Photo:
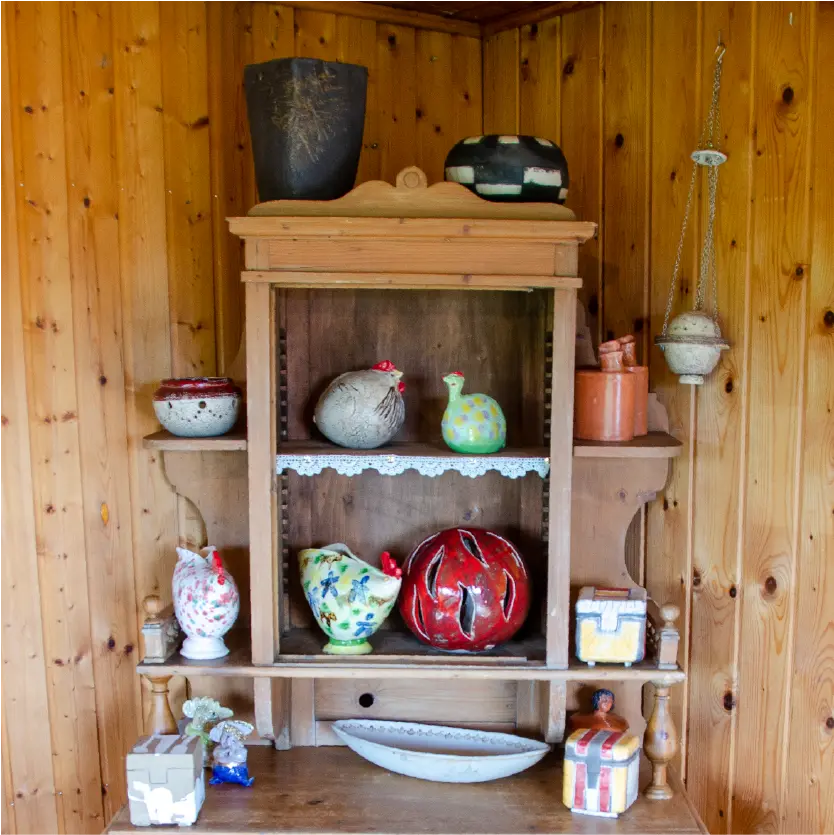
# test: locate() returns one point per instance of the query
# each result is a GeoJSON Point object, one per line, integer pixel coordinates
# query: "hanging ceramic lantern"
{"type": "Point", "coordinates": [692, 342]}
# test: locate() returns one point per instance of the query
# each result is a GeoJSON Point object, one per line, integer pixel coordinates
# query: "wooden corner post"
{"type": "Point", "coordinates": [271, 702]}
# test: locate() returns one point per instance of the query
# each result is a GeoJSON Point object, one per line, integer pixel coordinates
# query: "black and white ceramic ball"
{"type": "Point", "coordinates": [522, 169]}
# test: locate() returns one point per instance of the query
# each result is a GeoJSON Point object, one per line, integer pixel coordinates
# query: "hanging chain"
{"type": "Point", "coordinates": [710, 139]}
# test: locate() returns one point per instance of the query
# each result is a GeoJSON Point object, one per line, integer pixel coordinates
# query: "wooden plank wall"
{"type": "Point", "coordinates": [125, 147]}
{"type": "Point", "coordinates": [745, 530]}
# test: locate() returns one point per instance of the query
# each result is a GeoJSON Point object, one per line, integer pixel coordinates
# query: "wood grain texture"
{"type": "Point", "coordinates": [467, 96]}
{"type": "Point", "coordinates": [721, 439]}
{"type": "Point", "coordinates": [809, 776]}
{"type": "Point", "coordinates": [777, 351]}
{"type": "Point", "coordinates": [100, 380]}
{"type": "Point", "coordinates": [581, 136]}
{"type": "Point", "coordinates": [675, 126]}
{"type": "Point", "coordinates": [27, 746]}
{"type": "Point", "coordinates": [49, 345]}
{"type": "Point", "coordinates": [435, 107]}
{"type": "Point", "coordinates": [540, 79]}
{"type": "Point", "coordinates": [501, 82]}
{"type": "Point", "coordinates": [144, 278]}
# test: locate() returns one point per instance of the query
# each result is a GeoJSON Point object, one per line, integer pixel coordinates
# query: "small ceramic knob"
{"type": "Point", "coordinates": [153, 606]}
{"type": "Point", "coordinates": [670, 613]}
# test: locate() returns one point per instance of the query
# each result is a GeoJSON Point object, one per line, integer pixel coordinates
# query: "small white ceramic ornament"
{"type": "Point", "coordinates": [206, 602]}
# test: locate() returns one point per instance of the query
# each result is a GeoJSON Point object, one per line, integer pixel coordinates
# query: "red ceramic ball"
{"type": "Point", "coordinates": [465, 589]}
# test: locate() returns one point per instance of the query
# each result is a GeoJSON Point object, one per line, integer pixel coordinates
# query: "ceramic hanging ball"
{"type": "Point", "coordinates": [692, 346]}
{"type": "Point", "coordinates": [518, 169]}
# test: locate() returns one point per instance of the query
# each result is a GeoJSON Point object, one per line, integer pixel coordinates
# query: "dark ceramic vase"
{"type": "Point", "coordinates": [519, 169]}
{"type": "Point", "coordinates": [306, 118]}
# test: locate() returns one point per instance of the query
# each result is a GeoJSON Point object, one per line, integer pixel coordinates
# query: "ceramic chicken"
{"type": "Point", "coordinates": [472, 423]}
{"type": "Point", "coordinates": [206, 602]}
{"type": "Point", "coordinates": [362, 409]}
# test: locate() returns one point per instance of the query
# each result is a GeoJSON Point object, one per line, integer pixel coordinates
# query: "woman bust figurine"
{"type": "Point", "coordinates": [601, 719]}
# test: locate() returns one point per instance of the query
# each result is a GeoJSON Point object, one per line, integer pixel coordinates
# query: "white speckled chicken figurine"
{"type": "Point", "coordinates": [363, 409]}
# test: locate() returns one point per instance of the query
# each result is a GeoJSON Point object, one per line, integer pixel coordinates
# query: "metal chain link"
{"type": "Point", "coordinates": [710, 139]}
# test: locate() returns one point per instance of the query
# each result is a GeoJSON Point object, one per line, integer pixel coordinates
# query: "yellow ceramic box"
{"type": "Point", "coordinates": [611, 625]}
{"type": "Point", "coordinates": [601, 772]}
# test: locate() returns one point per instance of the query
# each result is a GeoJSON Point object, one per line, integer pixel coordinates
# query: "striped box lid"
{"type": "Point", "coordinates": [613, 746]}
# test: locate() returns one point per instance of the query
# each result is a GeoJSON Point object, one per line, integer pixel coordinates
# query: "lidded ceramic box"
{"type": "Point", "coordinates": [601, 772]}
{"type": "Point", "coordinates": [165, 780]}
{"type": "Point", "coordinates": [611, 625]}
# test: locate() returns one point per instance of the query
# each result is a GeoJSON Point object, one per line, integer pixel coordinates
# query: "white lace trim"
{"type": "Point", "coordinates": [472, 467]}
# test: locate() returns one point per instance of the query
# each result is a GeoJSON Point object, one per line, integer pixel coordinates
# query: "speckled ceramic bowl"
{"type": "Point", "coordinates": [693, 346]}
{"type": "Point", "coordinates": [197, 407]}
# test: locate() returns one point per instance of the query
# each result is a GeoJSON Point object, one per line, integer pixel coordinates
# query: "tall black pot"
{"type": "Point", "coordinates": [306, 119]}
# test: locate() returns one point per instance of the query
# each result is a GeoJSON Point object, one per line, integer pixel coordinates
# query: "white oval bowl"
{"type": "Point", "coordinates": [437, 753]}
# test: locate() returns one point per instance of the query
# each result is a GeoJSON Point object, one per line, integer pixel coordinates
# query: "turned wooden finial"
{"type": "Point", "coordinates": [160, 718]}
{"type": "Point", "coordinates": [412, 177]}
{"type": "Point", "coordinates": [670, 613]}
{"type": "Point", "coordinates": [661, 742]}
{"type": "Point", "coordinates": [153, 606]}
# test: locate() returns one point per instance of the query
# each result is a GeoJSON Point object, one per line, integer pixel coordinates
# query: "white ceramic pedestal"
{"type": "Point", "coordinates": [203, 649]}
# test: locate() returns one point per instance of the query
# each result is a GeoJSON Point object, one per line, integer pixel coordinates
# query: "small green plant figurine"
{"type": "Point", "coordinates": [204, 712]}
{"type": "Point", "coordinates": [472, 423]}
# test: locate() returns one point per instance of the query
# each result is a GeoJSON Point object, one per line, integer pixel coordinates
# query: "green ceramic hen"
{"type": "Point", "coordinates": [472, 423]}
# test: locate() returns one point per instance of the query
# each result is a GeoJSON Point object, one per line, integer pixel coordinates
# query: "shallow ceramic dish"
{"type": "Point", "coordinates": [441, 754]}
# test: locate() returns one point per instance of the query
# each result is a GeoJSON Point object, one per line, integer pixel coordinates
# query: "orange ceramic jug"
{"type": "Point", "coordinates": [604, 400]}
{"type": "Point", "coordinates": [641, 385]}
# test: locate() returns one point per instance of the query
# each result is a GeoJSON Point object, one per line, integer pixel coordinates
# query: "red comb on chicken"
{"type": "Point", "coordinates": [363, 409]}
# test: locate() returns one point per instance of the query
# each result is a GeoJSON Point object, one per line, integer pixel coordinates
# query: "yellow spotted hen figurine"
{"type": "Point", "coordinates": [472, 423]}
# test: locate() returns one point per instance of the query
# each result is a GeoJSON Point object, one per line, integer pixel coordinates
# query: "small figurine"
{"type": "Point", "coordinates": [230, 754]}
{"type": "Point", "coordinates": [601, 719]}
{"type": "Point", "coordinates": [611, 625]}
{"type": "Point", "coordinates": [362, 409]}
{"type": "Point", "coordinates": [206, 602]}
{"type": "Point", "coordinates": [350, 598]}
{"type": "Point", "coordinates": [204, 711]}
{"type": "Point", "coordinates": [472, 423]}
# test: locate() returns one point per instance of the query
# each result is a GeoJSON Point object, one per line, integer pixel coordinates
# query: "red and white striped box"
{"type": "Point", "coordinates": [601, 772]}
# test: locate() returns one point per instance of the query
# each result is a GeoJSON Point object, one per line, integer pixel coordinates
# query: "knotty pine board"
{"type": "Point", "coordinates": [782, 96]}
{"type": "Point", "coordinates": [100, 381]}
{"type": "Point", "coordinates": [27, 745]}
{"type": "Point", "coordinates": [721, 449]}
{"type": "Point", "coordinates": [49, 349]}
{"type": "Point", "coordinates": [539, 79]}
{"type": "Point", "coordinates": [809, 788]}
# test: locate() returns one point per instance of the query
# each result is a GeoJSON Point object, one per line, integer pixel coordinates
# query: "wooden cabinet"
{"type": "Point", "coordinates": [434, 279]}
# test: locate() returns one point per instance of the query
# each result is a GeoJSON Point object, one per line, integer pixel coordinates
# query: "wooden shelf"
{"type": "Point", "coordinates": [401, 656]}
{"type": "Point", "coordinates": [653, 445]}
{"type": "Point", "coordinates": [230, 442]}
{"type": "Point", "coordinates": [326, 790]}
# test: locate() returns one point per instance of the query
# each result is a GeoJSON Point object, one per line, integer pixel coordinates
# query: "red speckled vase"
{"type": "Point", "coordinates": [465, 589]}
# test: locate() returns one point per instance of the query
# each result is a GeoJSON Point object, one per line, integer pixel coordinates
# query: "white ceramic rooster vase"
{"type": "Point", "coordinates": [206, 602]}
{"type": "Point", "coordinates": [363, 409]}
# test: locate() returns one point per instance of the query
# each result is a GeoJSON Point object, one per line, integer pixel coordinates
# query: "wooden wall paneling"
{"type": "Point", "coordinates": [780, 258]}
{"type": "Point", "coordinates": [27, 744]}
{"type": "Point", "coordinates": [7, 818]}
{"type": "Point", "coordinates": [93, 204]}
{"type": "Point", "coordinates": [676, 118]}
{"type": "Point", "coordinates": [396, 92]}
{"type": "Point", "coordinates": [356, 41]}
{"type": "Point", "coordinates": [720, 445]}
{"type": "Point", "coordinates": [581, 132]}
{"type": "Point", "coordinates": [144, 275]}
{"type": "Point", "coordinates": [467, 93]}
{"type": "Point", "coordinates": [315, 35]}
{"type": "Point", "coordinates": [36, 47]}
{"type": "Point", "coordinates": [435, 107]}
{"type": "Point", "coordinates": [808, 792]}
{"type": "Point", "coordinates": [229, 48]}
{"type": "Point", "coordinates": [501, 82]}
{"type": "Point", "coordinates": [187, 187]}
{"type": "Point", "coordinates": [540, 76]}
{"type": "Point", "coordinates": [627, 34]}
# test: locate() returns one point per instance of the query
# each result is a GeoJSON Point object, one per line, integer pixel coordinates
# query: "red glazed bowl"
{"type": "Point", "coordinates": [197, 407]}
{"type": "Point", "coordinates": [465, 589]}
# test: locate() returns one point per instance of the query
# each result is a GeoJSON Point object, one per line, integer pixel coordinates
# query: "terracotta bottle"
{"type": "Point", "coordinates": [641, 384]}
{"type": "Point", "coordinates": [604, 400]}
